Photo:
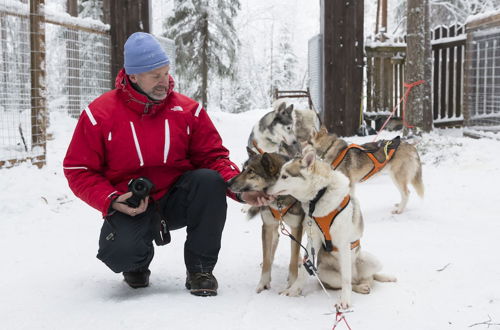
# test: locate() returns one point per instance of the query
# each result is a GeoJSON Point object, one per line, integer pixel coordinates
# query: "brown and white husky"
{"type": "Point", "coordinates": [258, 173]}
{"type": "Point", "coordinates": [358, 163]}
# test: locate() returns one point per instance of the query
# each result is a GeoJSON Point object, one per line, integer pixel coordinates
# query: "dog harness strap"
{"type": "Point", "coordinates": [277, 214]}
{"type": "Point", "coordinates": [344, 152]}
{"type": "Point", "coordinates": [312, 204]}
{"type": "Point", "coordinates": [377, 166]}
{"type": "Point", "coordinates": [257, 147]}
{"type": "Point", "coordinates": [324, 223]}
{"type": "Point", "coordinates": [354, 245]}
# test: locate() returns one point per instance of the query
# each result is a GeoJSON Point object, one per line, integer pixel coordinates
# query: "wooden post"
{"type": "Point", "coordinates": [38, 102]}
{"type": "Point", "coordinates": [384, 16]}
{"type": "Point", "coordinates": [418, 66]}
{"type": "Point", "coordinates": [73, 59]}
{"type": "Point", "coordinates": [342, 30]}
{"type": "Point", "coordinates": [126, 17]}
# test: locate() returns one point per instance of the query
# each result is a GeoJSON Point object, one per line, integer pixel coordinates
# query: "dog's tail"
{"type": "Point", "coordinates": [417, 182]}
{"type": "Point", "coordinates": [250, 211]}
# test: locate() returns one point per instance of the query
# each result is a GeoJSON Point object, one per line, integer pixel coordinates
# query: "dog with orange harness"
{"type": "Point", "coordinates": [258, 173]}
{"type": "Point", "coordinates": [361, 162]}
{"type": "Point", "coordinates": [334, 227]}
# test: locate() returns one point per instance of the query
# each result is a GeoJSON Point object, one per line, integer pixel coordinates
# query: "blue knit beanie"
{"type": "Point", "coordinates": [143, 53]}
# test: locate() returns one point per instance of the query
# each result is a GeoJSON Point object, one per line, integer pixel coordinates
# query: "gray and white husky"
{"type": "Point", "coordinates": [285, 124]}
{"type": "Point", "coordinates": [321, 191]}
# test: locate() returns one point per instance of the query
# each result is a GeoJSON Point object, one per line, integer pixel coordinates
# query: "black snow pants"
{"type": "Point", "coordinates": [196, 201]}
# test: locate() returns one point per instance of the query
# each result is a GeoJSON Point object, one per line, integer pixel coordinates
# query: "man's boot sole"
{"type": "Point", "coordinates": [137, 286]}
{"type": "Point", "coordinates": [201, 292]}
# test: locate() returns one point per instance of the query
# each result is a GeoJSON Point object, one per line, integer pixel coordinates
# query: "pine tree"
{"type": "Point", "coordinates": [205, 40]}
{"type": "Point", "coordinates": [91, 8]}
{"type": "Point", "coordinates": [285, 63]}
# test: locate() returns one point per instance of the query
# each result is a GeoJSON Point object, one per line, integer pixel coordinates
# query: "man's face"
{"type": "Point", "coordinates": [154, 83]}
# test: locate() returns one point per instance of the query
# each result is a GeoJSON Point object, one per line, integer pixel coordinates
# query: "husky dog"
{"type": "Point", "coordinates": [306, 123]}
{"type": "Point", "coordinates": [404, 166]}
{"type": "Point", "coordinates": [260, 171]}
{"type": "Point", "coordinates": [323, 193]}
{"type": "Point", "coordinates": [272, 129]}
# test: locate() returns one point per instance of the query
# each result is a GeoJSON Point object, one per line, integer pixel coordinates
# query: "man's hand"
{"type": "Point", "coordinates": [256, 198]}
{"type": "Point", "coordinates": [121, 205]}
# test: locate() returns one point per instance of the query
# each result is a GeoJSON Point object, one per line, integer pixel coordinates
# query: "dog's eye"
{"type": "Point", "coordinates": [288, 128]}
{"type": "Point", "coordinates": [284, 176]}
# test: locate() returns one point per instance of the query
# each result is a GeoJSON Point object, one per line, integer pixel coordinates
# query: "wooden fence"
{"type": "Point", "coordinates": [386, 78]}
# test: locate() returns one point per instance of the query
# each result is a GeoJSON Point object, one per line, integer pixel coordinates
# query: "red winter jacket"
{"type": "Point", "coordinates": [123, 135]}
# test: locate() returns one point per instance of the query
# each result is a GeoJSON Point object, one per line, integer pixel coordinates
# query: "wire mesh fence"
{"type": "Point", "coordinates": [78, 68]}
{"type": "Point", "coordinates": [15, 84]}
{"type": "Point", "coordinates": [483, 82]}
{"type": "Point", "coordinates": [48, 62]}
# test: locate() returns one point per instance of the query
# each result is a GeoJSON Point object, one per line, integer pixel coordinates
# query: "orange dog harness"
{"type": "Point", "coordinates": [324, 223]}
{"type": "Point", "coordinates": [392, 145]}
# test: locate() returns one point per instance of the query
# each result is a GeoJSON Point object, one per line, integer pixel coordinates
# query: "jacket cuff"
{"type": "Point", "coordinates": [108, 209]}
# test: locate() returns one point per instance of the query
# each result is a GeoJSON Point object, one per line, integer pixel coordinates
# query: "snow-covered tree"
{"type": "Point", "coordinates": [205, 40]}
{"type": "Point", "coordinates": [285, 63]}
{"type": "Point", "coordinates": [91, 8]}
{"type": "Point", "coordinates": [446, 12]}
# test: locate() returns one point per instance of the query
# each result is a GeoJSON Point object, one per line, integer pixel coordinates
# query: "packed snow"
{"type": "Point", "coordinates": [443, 250]}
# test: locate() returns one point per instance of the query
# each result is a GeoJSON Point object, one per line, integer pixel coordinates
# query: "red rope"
{"type": "Point", "coordinates": [403, 99]}
{"type": "Point", "coordinates": [339, 317]}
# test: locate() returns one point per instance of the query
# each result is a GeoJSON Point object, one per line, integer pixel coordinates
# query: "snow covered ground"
{"type": "Point", "coordinates": [443, 250]}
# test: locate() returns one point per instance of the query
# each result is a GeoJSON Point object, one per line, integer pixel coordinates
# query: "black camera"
{"type": "Point", "coordinates": [140, 189]}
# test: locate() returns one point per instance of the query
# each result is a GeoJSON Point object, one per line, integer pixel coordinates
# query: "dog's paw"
{"type": "Point", "coordinates": [363, 288]}
{"type": "Point", "coordinates": [263, 286]}
{"type": "Point", "coordinates": [343, 305]}
{"type": "Point", "coordinates": [397, 211]}
{"type": "Point", "coordinates": [384, 278]}
{"type": "Point", "coordinates": [291, 292]}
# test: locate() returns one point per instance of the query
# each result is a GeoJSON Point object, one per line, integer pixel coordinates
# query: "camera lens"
{"type": "Point", "coordinates": [139, 186]}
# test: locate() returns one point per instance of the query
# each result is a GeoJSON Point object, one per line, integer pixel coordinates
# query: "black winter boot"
{"type": "Point", "coordinates": [137, 279]}
{"type": "Point", "coordinates": [202, 284]}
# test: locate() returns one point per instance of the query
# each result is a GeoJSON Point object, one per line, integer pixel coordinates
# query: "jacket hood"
{"type": "Point", "coordinates": [136, 101]}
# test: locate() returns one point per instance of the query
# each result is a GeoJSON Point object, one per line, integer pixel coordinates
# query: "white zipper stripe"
{"type": "Point", "coordinates": [76, 168]}
{"type": "Point", "coordinates": [91, 116]}
{"type": "Point", "coordinates": [197, 113]}
{"type": "Point", "coordinates": [109, 136]}
{"type": "Point", "coordinates": [167, 142]}
{"type": "Point", "coordinates": [137, 147]}
{"type": "Point", "coordinates": [188, 130]}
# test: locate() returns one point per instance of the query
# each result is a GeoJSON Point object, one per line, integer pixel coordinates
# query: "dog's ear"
{"type": "Point", "coordinates": [281, 107]}
{"type": "Point", "coordinates": [269, 164]}
{"type": "Point", "coordinates": [323, 130]}
{"type": "Point", "coordinates": [289, 109]}
{"type": "Point", "coordinates": [250, 152]}
{"type": "Point", "coordinates": [309, 157]}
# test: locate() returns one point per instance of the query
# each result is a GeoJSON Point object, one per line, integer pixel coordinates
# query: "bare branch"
{"type": "Point", "coordinates": [487, 322]}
